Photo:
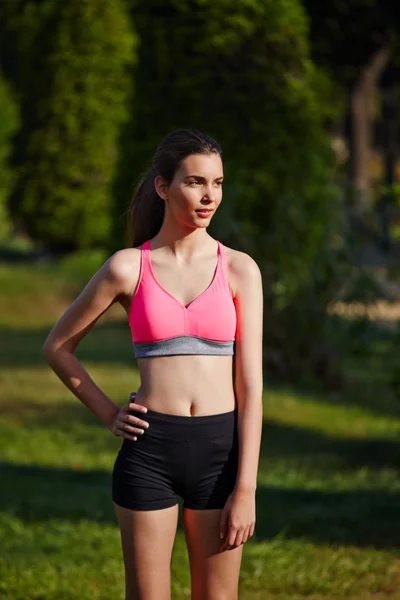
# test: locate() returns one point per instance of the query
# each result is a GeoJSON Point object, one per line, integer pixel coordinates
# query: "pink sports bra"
{"type": "Point", "coordinates": [162, 325]}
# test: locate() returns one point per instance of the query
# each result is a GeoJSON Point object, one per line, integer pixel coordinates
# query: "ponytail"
{"type": "Point", "coordinates": [146, 212]}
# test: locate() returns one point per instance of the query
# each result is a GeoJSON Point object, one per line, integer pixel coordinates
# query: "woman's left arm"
{"type": "Point", "coordinates": [238, 517]}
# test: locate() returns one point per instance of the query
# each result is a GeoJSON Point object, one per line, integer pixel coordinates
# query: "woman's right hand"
{"type": "Point", "coordinates": [126, 425]}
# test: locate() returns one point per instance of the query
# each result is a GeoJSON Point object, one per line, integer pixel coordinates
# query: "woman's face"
{"type": "Point", "coordinates": [197, 184]}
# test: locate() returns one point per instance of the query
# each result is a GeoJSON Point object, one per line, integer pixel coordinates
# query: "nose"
{"type": "Point", "coordinates": [209, 193]}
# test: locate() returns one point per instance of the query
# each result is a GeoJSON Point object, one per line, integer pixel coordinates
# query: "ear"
{"type": "Point", "coordinates": [161, 187]}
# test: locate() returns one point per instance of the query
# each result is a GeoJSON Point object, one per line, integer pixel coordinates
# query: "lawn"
{"type": "Point", "coordinates": [328, 510]}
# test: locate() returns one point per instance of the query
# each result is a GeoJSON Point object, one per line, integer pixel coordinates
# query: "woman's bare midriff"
{"type": "Point", "coordinates": [187, 385]}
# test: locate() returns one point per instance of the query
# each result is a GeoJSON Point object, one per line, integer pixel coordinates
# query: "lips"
{"type": "Point", "coordinates": [204, 211]}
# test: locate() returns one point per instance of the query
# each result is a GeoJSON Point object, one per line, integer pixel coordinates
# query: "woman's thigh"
{"type": "Point", "coordinates": [147, 538]}
{"type": "Point", "coordinates": [214, 574]}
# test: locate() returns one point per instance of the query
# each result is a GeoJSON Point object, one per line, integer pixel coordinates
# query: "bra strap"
{"type": "Point", "coordinates": [224, 269]}
{"type": "Point", "coordinates": [145, 255]}
{"type": "Point", "coordinates": [221, 250]}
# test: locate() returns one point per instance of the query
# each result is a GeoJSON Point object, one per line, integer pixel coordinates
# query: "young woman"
{"type": "Point", "coordinates": [194, 307]}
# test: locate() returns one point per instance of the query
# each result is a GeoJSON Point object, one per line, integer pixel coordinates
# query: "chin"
{"type": "Point", "coordinates": [202, 225]}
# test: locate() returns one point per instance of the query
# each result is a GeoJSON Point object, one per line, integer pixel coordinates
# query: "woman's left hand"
{"type": "Point", "coordinates": [238, 519]}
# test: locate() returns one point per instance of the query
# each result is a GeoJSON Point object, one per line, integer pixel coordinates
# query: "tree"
{"type": "Point", "coordinates": [77, 104]}
{"type": "Point", "coordinates": [9, 123]}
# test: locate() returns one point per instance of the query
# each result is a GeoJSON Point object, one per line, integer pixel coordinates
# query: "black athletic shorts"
{"type": "Point", "coordinates": [195, 458]}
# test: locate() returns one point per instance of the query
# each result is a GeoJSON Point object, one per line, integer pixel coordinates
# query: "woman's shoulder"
{"type": "Point", "coordinates": [238, 261]}
{"type": "Point", "coordinates": [124, 266]}
{"type": "Point", "coordinates": [121, 259]}
{"type": "Point", "coordinates": [241, 268]}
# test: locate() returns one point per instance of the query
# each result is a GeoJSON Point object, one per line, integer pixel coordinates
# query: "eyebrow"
{"type": "Point", "coordinates": [200, 177]}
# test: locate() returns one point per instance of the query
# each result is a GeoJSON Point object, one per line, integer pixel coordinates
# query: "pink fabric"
{"type": "Point", "coordinates": [157, 315]}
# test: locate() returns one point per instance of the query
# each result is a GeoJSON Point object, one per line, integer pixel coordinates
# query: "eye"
{"type": "Point", "coordinates": [191, 182]}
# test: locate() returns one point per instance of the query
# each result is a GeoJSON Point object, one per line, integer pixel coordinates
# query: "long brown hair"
{"type": "Point", "coordinates": [146, 210]}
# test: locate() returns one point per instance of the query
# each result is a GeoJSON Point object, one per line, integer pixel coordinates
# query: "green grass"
{"type": "Point", "coordinates": [328, 511]}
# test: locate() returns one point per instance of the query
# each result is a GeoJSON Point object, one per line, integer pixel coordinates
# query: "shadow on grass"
{"type": "Point", "coordinates": [37, 493]}
{"type": "Point", "coordinates": [106, 342]}
{"type": "Point", "coordinates": [281, 441]}
{"type": "Point", "coordinates": [57, 416]}
{"type": "Point", "coordinates": [360, 518]}
{"type": "Point", "coordinates": [357, 518]}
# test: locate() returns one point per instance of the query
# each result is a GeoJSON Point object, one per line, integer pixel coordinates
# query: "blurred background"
{"type": "Point", "coordinates": [304, 97]}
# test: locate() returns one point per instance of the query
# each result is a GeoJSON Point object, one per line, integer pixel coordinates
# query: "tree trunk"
{"type": "Point", "coordinates": [362, 126]}
{"type": "Point", "coordinates": [389, 121]}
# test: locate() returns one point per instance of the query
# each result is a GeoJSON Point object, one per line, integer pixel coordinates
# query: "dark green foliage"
{"type": "Point", "coordinates": [78, 103]}
{"type": "Point", "coordinates": [9, 122]}
{"type": "Point", "coordinates": [346, 34]}
{"type": "Point", "coordinates": [24, 42]}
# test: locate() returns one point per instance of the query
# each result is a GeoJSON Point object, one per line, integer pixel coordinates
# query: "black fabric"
{"type": "Point", "coordinates": [195, 458]}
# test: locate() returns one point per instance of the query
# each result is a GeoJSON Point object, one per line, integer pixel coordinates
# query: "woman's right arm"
{"type": "Point", "coordinates": [117, 276]}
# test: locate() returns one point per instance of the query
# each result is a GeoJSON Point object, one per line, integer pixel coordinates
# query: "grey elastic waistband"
{"type": "Point", "coordinates": [184, 344]}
